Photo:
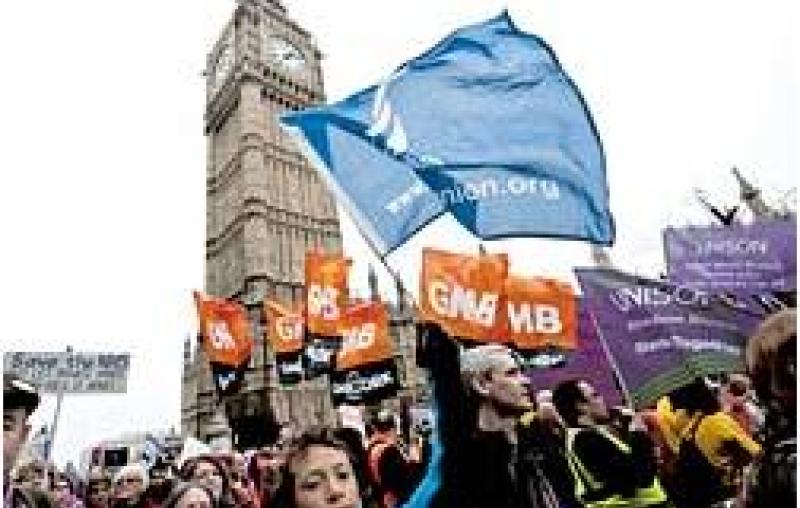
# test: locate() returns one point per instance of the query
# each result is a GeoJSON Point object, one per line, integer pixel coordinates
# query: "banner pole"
{"type": "Point", "coordinates": [612, 361]}
{"type": "Point", "coordinates": [56, 415]}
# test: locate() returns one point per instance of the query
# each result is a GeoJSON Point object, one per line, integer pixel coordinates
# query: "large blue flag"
{"type": "Point", "coordinates": [485, 125]}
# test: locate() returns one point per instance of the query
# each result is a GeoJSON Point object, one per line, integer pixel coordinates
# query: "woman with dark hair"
{"type": "Point", "coordinates": [772, 364]}
{"type": "Point", "coordinates": [352, 438]}
{"type": "Point", "coordinates": [318, 474]}
{"type": "Point", "coordinates": [98, 490]}
{"type": "Point", "coordinates": [190, 495]}
{"type": "Point", "coordinates": [209, 472]}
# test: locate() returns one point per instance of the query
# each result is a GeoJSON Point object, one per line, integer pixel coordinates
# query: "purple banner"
{"type": "Point", "coordinates": [752, 259]}
{"type": "Point", "coordinates": [587, 361]}
{"type": "Point", "coordinates": [662, 336]}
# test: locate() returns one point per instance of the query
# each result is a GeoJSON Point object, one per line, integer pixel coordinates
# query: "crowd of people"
{"type": "Point", "coordinates": [725, 441]}
{"type": "Point", "coordinates": [322, 467]}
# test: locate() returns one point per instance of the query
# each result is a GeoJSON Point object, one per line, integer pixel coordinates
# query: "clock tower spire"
{"type": "Point", "coordinates": [265, 204]}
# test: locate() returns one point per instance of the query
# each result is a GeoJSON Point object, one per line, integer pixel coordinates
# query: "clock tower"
{"type": "Point", "coordinates": [265, 204]}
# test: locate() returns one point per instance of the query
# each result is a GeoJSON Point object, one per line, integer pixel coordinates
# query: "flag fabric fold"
{"type": "Point", "coordinates": [661, 336]}
{"type": "Point", "coordinates": [485, 125]}
{"type": "Point", "coordinates": [588, 361]}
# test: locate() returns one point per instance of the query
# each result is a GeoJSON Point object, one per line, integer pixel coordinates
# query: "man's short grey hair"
{"type": "Point", "coordinates": [132, 469]}
{"type": "Point", "coordinates": [479, 360]}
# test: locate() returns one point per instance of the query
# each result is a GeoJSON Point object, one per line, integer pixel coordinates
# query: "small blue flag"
{"type": "Point", "coordinates": [485, 125]}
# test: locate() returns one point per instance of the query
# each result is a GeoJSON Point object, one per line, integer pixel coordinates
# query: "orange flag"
{"type": "Point", "coordinates": [284, 328]}
{"type": "Point", "coordinates": [540, 312]}
{"type": "Point", "coordinates": [464, 294]}
{"type": "Point", "coordinates": [326, 291]}
{"type": "Point", "coordinates": [364, 329]}
{"type": "Point", "coordinates": [227, 338]}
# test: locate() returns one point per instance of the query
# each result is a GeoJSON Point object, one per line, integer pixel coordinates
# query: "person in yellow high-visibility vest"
{"type": "Point", "coordinates": [610, 470]}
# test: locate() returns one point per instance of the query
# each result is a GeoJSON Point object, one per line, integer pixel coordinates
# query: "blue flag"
{"type": "Point", "coordinates": [485, 125]}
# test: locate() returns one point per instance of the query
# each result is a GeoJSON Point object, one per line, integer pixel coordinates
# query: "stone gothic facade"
{"type": "Point", "coordinates": [265, 207]}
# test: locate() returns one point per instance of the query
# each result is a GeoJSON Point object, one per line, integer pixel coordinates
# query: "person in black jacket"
{"type": "Point", "coordinates": [480, 395]}
{"type": "Point", "coordinates": [772, 363]}
{"type": "Point", "coordinates": [20, 400]}
{"type": "Point", "coordinates": [392, 473]}
{"type": "Point", "coordinates": [608, 468]}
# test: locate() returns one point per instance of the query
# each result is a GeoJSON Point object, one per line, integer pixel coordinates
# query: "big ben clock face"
{"type": "Point", "coordinates": [286, 54]}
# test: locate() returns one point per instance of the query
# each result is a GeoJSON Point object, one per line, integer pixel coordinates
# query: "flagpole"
{"type": "Point", "coordinates": [56, 415]}
{"type": "Point", "coordinates": [612, 361]}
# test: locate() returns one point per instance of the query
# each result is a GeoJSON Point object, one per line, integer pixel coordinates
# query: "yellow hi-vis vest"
{"type": "Point", "coordinates": [585, 483]}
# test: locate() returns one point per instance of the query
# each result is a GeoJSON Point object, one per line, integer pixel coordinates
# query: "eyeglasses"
{"type": "Point", "coordinates": [201, 475]}
{"type": "Point", "coordinates": [129, 481]}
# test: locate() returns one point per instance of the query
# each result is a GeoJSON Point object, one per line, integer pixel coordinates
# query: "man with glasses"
{"type": "Point", "coordinates": [20, 399]}
{"type": "Point", "coordinates": [130, 484]}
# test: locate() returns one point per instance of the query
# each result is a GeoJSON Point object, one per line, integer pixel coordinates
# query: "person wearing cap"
{"type": "Point", "coordinates": [20, 400]}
